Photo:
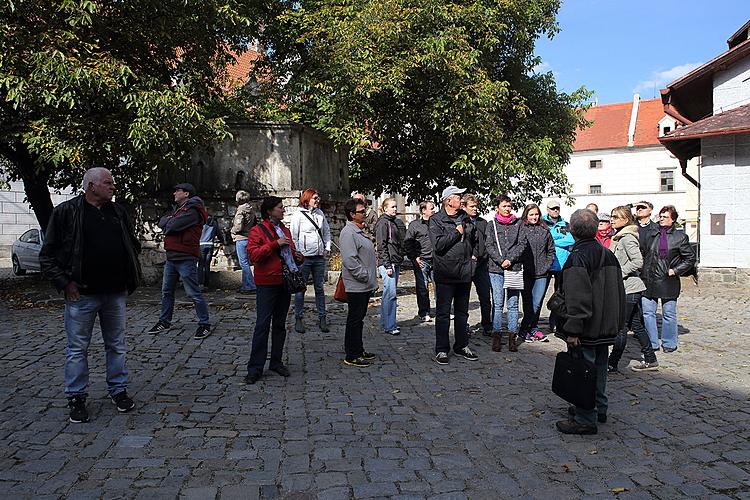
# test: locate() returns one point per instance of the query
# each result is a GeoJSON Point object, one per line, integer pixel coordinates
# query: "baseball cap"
{"type": "Point", "coordinates": [603, 217]}
{"type": "Point", "coordinates": [553, 204]}
{"type": "Point", "coordinates": [186, 186]}
{"type": "Point", "coordinates": [450, 191]}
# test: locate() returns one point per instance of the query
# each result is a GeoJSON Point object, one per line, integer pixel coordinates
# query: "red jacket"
{"type": "Point", "coordinates": [186, 240]}
{"type": "Point", "coordinates": [265, 254]}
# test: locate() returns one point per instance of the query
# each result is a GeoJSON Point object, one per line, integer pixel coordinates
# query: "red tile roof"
{"type": "Point", "coordinates": [611, 122]}
{"type": "Point", "coordinates": [238, 72]}
{"type": "Point", "coordinates": [734, 121]}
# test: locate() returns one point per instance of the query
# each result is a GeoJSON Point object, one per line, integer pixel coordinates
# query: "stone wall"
{"type": "Point", "coordinates": [280, 159]}
{"type": "Point", "coordinates": [724, 275]}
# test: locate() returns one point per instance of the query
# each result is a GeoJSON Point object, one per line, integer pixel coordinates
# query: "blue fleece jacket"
{"type": "Point", "coordinates": [563, 241]}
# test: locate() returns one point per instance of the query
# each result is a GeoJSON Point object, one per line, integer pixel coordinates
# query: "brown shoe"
{"type": "Point", "coordinates": [497, 342]}
{"type": "Point", "coordinates": [512, 347]}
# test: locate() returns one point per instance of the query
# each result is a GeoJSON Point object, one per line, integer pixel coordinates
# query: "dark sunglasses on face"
{"type": "Point", "coordinates": [360, 211]}
{"type": "Point", "coordinates": [554, 208]}
{"type": "Point", "coordinates": [641, 207]}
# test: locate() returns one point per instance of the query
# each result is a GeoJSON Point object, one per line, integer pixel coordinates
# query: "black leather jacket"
{"type": "Point", "coordinates": [452, 252]}
{"type": "Point", "coordinates": [60, 257]}
{"type": "Point", "coordinates": [655, 273]}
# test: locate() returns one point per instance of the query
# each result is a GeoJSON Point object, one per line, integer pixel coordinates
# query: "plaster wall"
{"type": "Point", "coordinates": [730, 87]}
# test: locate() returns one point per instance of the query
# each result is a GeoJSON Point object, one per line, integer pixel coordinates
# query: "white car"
{"type": "Point", "coordinates": [25, 252]}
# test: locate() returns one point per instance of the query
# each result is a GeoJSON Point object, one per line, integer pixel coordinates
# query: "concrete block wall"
{"type": "Point", "coordinates": [16, 216]}
{"type": "Point", "coordinates": [730, 88]}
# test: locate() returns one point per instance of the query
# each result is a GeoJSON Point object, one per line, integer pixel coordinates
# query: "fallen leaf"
{"type": "Point", "coordinates": [565, 468]}
{"type": "Point", "coordinates": [349, 414]}
{"type": "Point", "coordinates": [593, 452]}
{"type": "Point", "coordinates": [395, 391]}
{"type": "Point", "coordinates": [618, 490]}
{"type": "Point", "coordinates": [635, 402]}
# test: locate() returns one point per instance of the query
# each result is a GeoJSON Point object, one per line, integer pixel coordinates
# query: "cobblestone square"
{"type": "Point", "coordinates": [403, 428]}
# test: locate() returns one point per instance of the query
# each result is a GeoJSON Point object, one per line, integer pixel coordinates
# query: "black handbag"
{"type": "Point", "coordinates": [293, 281]}
{"type": "Point", "coordinates": [574, 379]}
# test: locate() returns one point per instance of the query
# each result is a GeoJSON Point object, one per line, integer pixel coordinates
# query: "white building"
{"type": "Point", "coordinates": [713, 101]}
{"type": "Point", "coordinates": [619, 160]}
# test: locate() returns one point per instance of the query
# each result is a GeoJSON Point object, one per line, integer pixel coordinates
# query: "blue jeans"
{"type": "Point", "coordinates": [248, 283]}
{"type": "Point", "coordinates": [272, 306]}
{"type": "Point", "coordinates": [388, 303]}
{"type": "Point", "coordinates": [498, 299]}
{"type": "Point", "coordinates": [668, 322]}
{"type": "Point", "coordinates": [79, 323]}
{"type": "Point", "coordinates": [533, 296]}
{"type": "Point", "coordinates": [599, 356]}
{"type": "Point", "coordinates": [188, 271]}
{"type": "Point", "coordinates": [317, 265]}
{"type": "Point", "coordinates": [422, 278]}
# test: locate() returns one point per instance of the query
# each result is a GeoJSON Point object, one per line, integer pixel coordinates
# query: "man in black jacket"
{"type": "Point", "coordinates": [595, 311]}
{"type": "Point", "coordinates": [90, 253]}
{"type": "Point", "coordinates": [481, 278]}
{"type": "Point", "coordinates": [419, 250]}
{"type": "Point", "coordinates": [453, 239]}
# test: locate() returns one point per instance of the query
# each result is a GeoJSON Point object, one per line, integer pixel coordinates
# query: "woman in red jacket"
{"type": "Point", "coordinates": [270, 243]}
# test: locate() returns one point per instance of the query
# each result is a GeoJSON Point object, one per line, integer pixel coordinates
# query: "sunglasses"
{"type": "Point", "coordinates": [554, 208]}
{"type": "Point", "coordinates": [360, 211]}
{"type": "Point", "coordinates": [641, 207]}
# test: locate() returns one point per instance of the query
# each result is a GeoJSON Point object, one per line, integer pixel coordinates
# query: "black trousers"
{"type": "Point", "coordinates": [634, 322]}
{"type": "Point", "coordinates": [456, 294]}
{"type": "Point", "coordinates": [272, 307]}
{"type": "Point", "coordinates": [483, 287]}
{"type": "Point", "coordinates": [355, 322]}
{"type": "Point", "coordinates": [204, 264]}
{"type": "Point", "coordinates": [422, 276]}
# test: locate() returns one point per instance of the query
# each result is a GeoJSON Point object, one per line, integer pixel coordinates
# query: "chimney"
{"type": "Point", "coordinates": [633, 120]}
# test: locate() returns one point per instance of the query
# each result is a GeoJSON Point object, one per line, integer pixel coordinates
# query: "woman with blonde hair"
{"type": "Point", "coordinates": [389, 240]}
{"type": "Point", "coordinates": [626, 247]}
{"type": "Point", "coordinates": [244, 220]}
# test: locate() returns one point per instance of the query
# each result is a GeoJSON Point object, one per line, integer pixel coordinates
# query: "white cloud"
{"type": "Point", "coordinates": [659, 79]}
{"type": "Point", "coordinates": [542, 67]}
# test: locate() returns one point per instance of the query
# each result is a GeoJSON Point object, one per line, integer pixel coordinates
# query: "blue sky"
{"type": "Point", "coordinates": [618, 47]}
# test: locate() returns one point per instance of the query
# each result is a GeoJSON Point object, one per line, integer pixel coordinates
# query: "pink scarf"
{"type": "Point", "coordinates": [503, 219]}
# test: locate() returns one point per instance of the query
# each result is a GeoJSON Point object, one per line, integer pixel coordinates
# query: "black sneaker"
{"type": "Point", "coordinates": [358, 362]}
{"type": "Point", "coordinates": [159, 327]}
{"type": "Point", "coordinates": [367, 356]}
{"type": "Point", "coordinates": [281, 370]}
{"type": "Point", "coordinates": [645, 367]}
{"type": "Point", "coordinates": [123, 402]}
{"type": "Point", "coordinates": [441, 358]}
{"type": "Point", "coordinates": [573, 427]}
{"type": "Point", "coordinates": [600, 417]}
{"type": "Point", "coordinates": [466, 353]}
{"type": "Point", "coordinates": [668, 349]}
{"type": "Point", "coordinates": [78, 412]}
{"type": "Point", "coordinates": [202, 332]}
{"type": "Point", "coordinates": [612, 369]}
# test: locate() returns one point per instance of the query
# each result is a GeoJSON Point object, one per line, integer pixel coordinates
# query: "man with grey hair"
{"type": "Point", "coordinates": [90, 252]}
{"type": "Point", "coordinates": [594, 312]}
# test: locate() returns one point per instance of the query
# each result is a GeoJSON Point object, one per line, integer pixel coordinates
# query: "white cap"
{"type": "Point", "coordinates": [450, 191]}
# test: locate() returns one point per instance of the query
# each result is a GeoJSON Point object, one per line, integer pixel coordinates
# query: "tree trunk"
{"type": "Point", "coordinates": [35, 184]}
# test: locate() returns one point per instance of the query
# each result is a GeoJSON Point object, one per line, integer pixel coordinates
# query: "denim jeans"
{"type": "Point", "coordinates": [633, 321]}
{"type": "Point", "coordinates": [272, 307]}
{"type": "Point", "coordinates": [388, 303]}
{"type": "Point", "coordinates": [483, 287]}
{"type": "Point", "coordinates": [355, 316]}
{"type": "Point", "coordinates": [498, 299]}
{"type": "Point", "coordinates": [248, 283]}
{"type": "Point", "coordinates": [598, 356]}
{"type": "Point", "coordinates": [188, 271]}
{"type": "Point", "coordinates": [533, 296]}
{"type": "Point", "coordinates": [204, 265]}
{"type": "Point", "coordinates": [445, 295]}
{"type": "Point", "coordinates": [79, 324]}
{"type": "Point", "coordinates": [317, 265]}
{"type": "Point", "coordinates": [422, 278]}
{"type": "Point", "coordinates": [668, 322]}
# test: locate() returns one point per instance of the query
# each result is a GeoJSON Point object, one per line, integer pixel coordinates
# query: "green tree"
{"type": "Point", "coordinates": [428, 92]}
{"type": "Point", "coordinates": [135, 86]}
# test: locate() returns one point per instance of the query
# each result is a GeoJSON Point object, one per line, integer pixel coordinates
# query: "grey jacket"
{"type": "Point", "coordinates": [512, 243]}
{"type": "Point", "coordinates": [243, 221]}
{"type": "Point", "coordinates": [539, 252]}
{"type": "Point", "coordinates": [358, 260]}
{"type": "Point", "coordinates": [627, 249]}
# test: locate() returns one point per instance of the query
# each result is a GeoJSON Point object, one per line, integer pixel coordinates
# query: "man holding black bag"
{"type": "Point", "coordinates": [592, 311]}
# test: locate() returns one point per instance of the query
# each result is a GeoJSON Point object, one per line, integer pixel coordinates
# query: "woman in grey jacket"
{"type": "Point", "coordinates": [538, 256]}
{"type": "Point", "coordinates": [359, 273]}
{"type": "Point", "coordinates": [504, 244]}
{"type": "Point", "coordinates": [626, 247]}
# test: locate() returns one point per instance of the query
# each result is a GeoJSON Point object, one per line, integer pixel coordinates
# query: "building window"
{"type": "Point", "coordinates": [666, 130]}
{"type": "Point", "coordinates": [595, 189]}
{"type": "Point", "coordinates": [667, 181]}
{"type": "Point", "coordinates": [595, 164]}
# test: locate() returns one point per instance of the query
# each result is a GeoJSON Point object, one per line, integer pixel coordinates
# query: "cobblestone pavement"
{"type": "Point", "coordinates": [405, 427]}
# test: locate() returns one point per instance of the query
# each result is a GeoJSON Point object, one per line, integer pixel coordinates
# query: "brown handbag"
{"type": "Point", "coordinates": [340, 294]}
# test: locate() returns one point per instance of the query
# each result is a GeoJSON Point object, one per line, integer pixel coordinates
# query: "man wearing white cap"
{"type": "Point", "coordinates": [453, 238]}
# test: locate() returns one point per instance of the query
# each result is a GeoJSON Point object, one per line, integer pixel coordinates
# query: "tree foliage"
{"type": "Point", "coordinates": [429, 92]}
{"type": "Point", "coordinates": [134, 85]}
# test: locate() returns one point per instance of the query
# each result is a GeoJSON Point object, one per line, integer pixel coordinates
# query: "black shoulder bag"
{"type": "Point", "coordinates": [292, 280]}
